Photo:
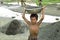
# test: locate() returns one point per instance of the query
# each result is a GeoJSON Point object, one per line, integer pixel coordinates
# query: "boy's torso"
{"type": "Point", "coordinates": [34, 29]}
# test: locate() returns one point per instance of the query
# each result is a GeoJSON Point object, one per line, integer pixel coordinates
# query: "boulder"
{"type": "Point", "coordinates": [50, 32]}
{"type": "Point", "coordinates": [13, 27]}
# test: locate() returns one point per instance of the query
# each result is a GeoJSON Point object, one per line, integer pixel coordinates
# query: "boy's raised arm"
{"type": "Point", "coordinates": [42, 15]}
{"type": "Point", "coordinates": [23, 16]}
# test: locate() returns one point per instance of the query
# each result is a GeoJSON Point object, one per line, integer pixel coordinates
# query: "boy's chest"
{"type": "Point", "coordinates": [34, 27]}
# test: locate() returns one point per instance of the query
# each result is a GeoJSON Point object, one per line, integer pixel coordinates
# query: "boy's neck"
{"type": "Point", "coordinates": [33, 23]}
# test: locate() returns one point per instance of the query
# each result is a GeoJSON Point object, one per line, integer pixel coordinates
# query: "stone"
{"type": "Point", "coordinates": [57, 18]}
{"type": "Point", "coordinates": [13, 27]}
{"type": "Point", "coordinates": [50, 32]}
{"type": "Point", "coordinates": [13, 17]}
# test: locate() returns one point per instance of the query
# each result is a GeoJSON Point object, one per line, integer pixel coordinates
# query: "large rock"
{"type": "Point", "coordinates": [50, 32]}
{"type": "Point", "coordinates": [13, 27]}
{"type": "Point", "coordinates": [6, 25]}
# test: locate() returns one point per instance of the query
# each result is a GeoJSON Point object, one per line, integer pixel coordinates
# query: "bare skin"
{"type": "Point", "coordinates": [33, 24]}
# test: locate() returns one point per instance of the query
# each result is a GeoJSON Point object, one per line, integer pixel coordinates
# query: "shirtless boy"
{"type": "Point", "coordinates": [33, 24]}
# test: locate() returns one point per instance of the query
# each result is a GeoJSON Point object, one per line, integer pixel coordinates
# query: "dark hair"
{"type": "Point", "coordinates": [34, 15]}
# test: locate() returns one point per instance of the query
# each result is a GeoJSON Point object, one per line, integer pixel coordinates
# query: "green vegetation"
{"type": "Point", "coordinates": [46, 2]}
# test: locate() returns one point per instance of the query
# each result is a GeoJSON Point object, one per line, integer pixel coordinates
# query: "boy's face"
{"type": "Point", "coordinates": [33, 19]}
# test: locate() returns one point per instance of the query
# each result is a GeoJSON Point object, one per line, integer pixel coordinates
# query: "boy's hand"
{"type": "Point", "coordinates": [43, 7]}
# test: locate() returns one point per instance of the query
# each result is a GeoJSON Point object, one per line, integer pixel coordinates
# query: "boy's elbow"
{"type": "Point", "coordinates": [42, 18]}
{"type": "Point", "coordinates": [23, 16]}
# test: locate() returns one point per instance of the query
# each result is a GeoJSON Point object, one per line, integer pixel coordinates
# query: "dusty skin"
{"type": "Point", "coordinates": [33, 24]}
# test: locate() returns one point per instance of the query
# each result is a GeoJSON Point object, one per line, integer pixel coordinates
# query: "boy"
{"type": "Point", "coordinates": [34, 25]}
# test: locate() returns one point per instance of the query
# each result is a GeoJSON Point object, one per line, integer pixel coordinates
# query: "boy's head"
{"type": "Point", "coordinates": [33, 18]}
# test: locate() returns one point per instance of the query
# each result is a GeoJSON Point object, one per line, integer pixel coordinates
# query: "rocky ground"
{"type": "Point", "coordinates": [48, 31]}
